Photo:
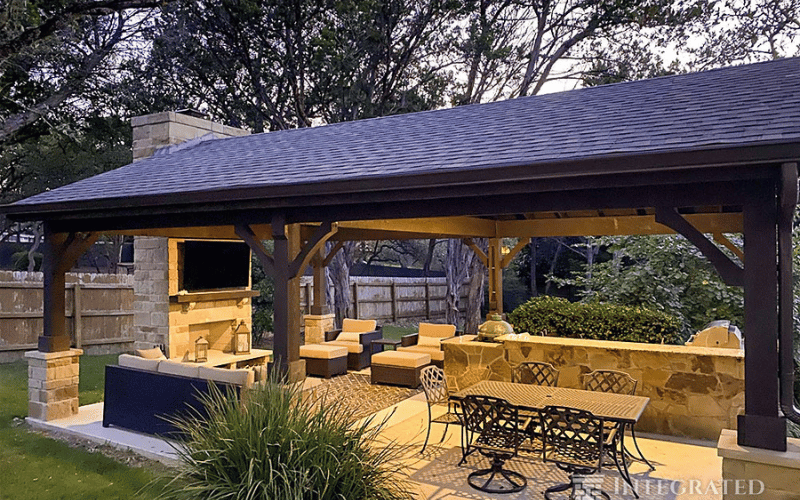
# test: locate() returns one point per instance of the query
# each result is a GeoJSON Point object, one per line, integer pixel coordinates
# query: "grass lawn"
{"type": "Point", "coordinates": [395, 332]}
{"type": "Point", "coordinates": [38, 468]}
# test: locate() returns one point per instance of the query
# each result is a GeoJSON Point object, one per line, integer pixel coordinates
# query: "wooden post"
{"type": "Point", "coordinates": [77, 318]}
{"type": "Point", "coordinates": [320, 303]}
{"type": "Point", "coordinates": [394, 301]}
{"type": "Point", "coordinates": [427, 299]}
{"type": "Point", "coordinates": [761, 426]}
{"type": "Point", "coordinates": [495, 267]}
{"type": "Point", "coordinates": [355, 300]}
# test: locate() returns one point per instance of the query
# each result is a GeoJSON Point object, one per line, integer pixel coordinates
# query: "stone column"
{"type": "Point", "coordinates": [316, 325]}
{"type": "Point", "coordinates": [53, 384]}
{"type": "Point", "coordinates": [151, 290]}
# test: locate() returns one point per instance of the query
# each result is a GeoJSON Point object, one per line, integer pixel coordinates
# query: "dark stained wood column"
{"type": "Point", "coordinates": [61, 251]}
{"type": "Point", "coordinates": [320, 303]}
{"type": "Point", "coordinates": [286, 343]}
{"type": "Point", "coordinates": [761, 426]}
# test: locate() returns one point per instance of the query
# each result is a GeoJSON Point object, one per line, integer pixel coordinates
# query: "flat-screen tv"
{"type": "Point", "coordinates": [213, 265]}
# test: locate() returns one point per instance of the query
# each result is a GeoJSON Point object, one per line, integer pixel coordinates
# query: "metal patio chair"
{"type": "Point", "coordinates": [434, 384]}
{"type": "Point", "coordinates": [619, 383]}
{"type": "Point", "coordinates": [497, 431]}
{"type": "Point", "coordinates": [536, 373]}
{"type": "Point", "coordinates": [574, 440]}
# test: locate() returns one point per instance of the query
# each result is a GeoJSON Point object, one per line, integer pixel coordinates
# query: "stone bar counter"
{"type": "Point", "coordinates": [694, 391]}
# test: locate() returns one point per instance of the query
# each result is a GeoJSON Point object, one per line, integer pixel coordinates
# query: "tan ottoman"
{"type": "Point", "coordinates": [324, 360]}
{"type": "Point", "coordinates": [398, 368]}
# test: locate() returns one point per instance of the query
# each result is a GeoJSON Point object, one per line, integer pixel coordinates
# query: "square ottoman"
{"type": "Point", "coordinates": [324, 360]}
{"type": "Point", "coordinates": [398, 368]}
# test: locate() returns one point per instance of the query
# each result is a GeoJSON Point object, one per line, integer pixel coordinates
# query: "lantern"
{"type": "Point", "coordinates": [241, 339]}
{"type": "Point", "coordinates": [201, 350]}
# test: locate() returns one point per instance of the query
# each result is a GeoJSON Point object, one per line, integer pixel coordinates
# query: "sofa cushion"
{"type": "Point", "coordinates": [349, 337]}
{"type": "Point", "coordinates": [130, 361]}
{"type": "Point", "coordinates": [401, 359]}
{"type": "Point", "coordinates": [358, 325]}
{"type": "Point", "coordinates": [351, 346]}
{"type": "Point", "coordinates": [436, 330]}
{"type": "Point", "coordinates": [243, 377]}
{"type": "Point", "coordinates": [178, 368]}
{"type": "Point", "coordinates": [433, 342]}
{"type": "Point", "coordinates": [321, 351]}
{"type": "Point", "coordinates": [435, 354]}
{"type": "Point", "coordinates": [154, 353]}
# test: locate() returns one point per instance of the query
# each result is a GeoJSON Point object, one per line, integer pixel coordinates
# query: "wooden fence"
{"type": "Point", "coordinates": [394, 300]}
{"type": "Point", "coordinates": [99, 309]}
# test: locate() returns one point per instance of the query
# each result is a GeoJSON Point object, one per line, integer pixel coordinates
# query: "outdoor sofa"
{"type": "Point", "coordinates": [141, 394]}
{"type": "Point", "coordinates": [357, 336]}
{"type": "Point", "coordinates": [428, 340]}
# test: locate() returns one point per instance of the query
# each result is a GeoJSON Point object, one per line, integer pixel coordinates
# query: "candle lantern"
{"type": "Point", "coordinates": [201, 350]}
{"type": "Point", "coordinates": [241, 339]}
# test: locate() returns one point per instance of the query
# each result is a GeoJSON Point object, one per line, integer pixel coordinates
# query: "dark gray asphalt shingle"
{"type": "Point", "coordinates": [731, 106]}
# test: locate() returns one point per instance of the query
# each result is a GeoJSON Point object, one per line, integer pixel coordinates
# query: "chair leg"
{"type": "Point", "coordinates": [557, 489]}
{"type": "Point", "coordinates": [444, 434]}
{"type": "Point", "coordinates": [428, 435]}
{"type": "Point", "coordinates": [623, 469]}
{"type": "Point", "coordinates": [514, 481]}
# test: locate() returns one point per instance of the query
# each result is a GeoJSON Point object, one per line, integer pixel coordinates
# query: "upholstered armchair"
{"type": "Point", "coordinates": [357, 336]}
{"type": "Point", "coordinates": [428, 340]}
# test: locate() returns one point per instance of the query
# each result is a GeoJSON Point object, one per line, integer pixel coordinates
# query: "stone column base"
{"type": "Point", "coordinates": [53, 384]}
{"type": "Point", "coordinates": [316, 326]}
{"type": "Point", "coordinates": [750, 473]}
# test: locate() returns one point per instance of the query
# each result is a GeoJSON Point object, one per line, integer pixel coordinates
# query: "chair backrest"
{"type": "Point", "coordinates": [434, 383]}
{"type": "Point", "coordinates": [535, 373]}
{"type": "Point", "coordinates": [572, 438]}
{"type": "Point", "coordinates": [487, 412]}
{"type": "Point", "coordinates": [610, 381]}
{"type": "Point", "coordinates": [436, 330]}
{"type": "Point", "coordinates": [350, 325]}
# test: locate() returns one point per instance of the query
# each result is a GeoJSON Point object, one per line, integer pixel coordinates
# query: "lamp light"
{"type": "Point", "coordinates": [241, 339]}
{"type": "Point", "coordinates": [201, 350]}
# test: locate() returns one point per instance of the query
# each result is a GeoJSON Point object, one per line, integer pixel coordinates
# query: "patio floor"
{"type": "Point", "coordinates": [685, 469]}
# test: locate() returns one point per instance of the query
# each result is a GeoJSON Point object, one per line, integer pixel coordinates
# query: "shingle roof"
{"type": "Point", "coordinates": [751, 104]}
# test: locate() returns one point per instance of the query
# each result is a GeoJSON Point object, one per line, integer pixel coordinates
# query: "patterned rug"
{"type": "Point", "coordinates": [356, 391]}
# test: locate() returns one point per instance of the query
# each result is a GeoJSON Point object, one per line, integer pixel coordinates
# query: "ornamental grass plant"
{"type": "Point", "coordinates": [275, 444]}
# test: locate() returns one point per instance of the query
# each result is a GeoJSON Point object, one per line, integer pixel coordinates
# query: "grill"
{"type": "Point", "coordinates": [719, 333]}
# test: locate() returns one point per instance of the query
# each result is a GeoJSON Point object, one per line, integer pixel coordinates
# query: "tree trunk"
{"type": "Point", "coordinates": [477, 277]}
{"type": "Point", "coordinates": [340, 278]}
{"type": "Point", "coordinates": [426, 268]}
{"type": "Point", "coordinates": [533, 285]}
{"type": "Point", "coordinates": [553, 265]}
{"type": "Point", "coordinates": [37, 239]}
{"type": "Point", "coordinates": [456, 272]}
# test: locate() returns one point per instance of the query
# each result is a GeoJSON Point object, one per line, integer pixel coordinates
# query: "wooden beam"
{"type": "Point", "coordinates": [522, 243]}
{"type": "Point", "coordinates": [245, 232]}
{"type": "Point", "coordinates": [442, 227]}
{"type": "Point", "coordinates": [317, 241]}
{"type": "Point", "coordinates": [475, 248]}
{"type": "Point", "coordinates": [614, 226]}
{"type": "Point", "coordinates": [724, 241]}
{"type": "Point", "coordinates": [328, 258]}
{"type": "Point", "coordinates": [729, 271]}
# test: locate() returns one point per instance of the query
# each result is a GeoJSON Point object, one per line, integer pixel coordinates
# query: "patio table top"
{"type": "Point", "coordinates": [610, 406]}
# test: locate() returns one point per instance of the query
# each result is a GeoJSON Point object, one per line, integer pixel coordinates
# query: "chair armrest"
{"type": "Point", "coordinates": [367, 337]}
{"type": "Point", "coordinates": [331, 335]}
{"type": "Point", "coordinates": [409, 340]}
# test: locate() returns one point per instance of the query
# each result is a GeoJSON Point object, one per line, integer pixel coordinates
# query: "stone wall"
{"type": "Point", "coordinates": [755, 473]}
{"type": "Point", "coordinates": [694, 391]}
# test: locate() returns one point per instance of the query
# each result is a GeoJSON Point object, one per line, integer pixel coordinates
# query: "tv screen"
{"type": "Point", "coordinates": [212, 265]}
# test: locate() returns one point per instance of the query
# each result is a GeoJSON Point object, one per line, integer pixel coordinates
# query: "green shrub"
{"type": "Point", "coordinates": [277, 446]}
{"type": "Point", "coordinates": [598, 321]}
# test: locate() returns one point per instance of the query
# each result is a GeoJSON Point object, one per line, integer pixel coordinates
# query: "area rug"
{"type": "Point", "coordinates": [355, 390]}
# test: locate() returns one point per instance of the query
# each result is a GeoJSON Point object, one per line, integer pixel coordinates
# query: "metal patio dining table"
{"type": "Point", "coordinates": [623, 409]}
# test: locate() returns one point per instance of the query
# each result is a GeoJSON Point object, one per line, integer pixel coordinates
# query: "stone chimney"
{"type": "Point", "coordinates": [155, 258]}
{"type": "Point", "coordinates": [159, 130]}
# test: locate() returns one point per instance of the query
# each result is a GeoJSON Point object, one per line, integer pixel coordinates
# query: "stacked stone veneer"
{"type": "Point", "coordinates": [693, 391]}
{"type": "Point", "coordinates": [177, 325]}
{"type": "Point", "coordinates": [53, 384]}
{"type": "Point", "coordinates": [749, 473]}
{"type": "Point", "coordinates": [315, 326]}
{"type": "Point", "coordinates": [159, 130]}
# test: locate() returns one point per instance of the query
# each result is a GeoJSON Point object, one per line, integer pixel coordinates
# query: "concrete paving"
{"type": "Point", "coordinates": [685, 469]}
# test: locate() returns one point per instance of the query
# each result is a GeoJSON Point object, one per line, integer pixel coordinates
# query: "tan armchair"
{"type": "Point", "coordinates": [428, 340]}
{"type": "Point", "coordinates": [357, 336]}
